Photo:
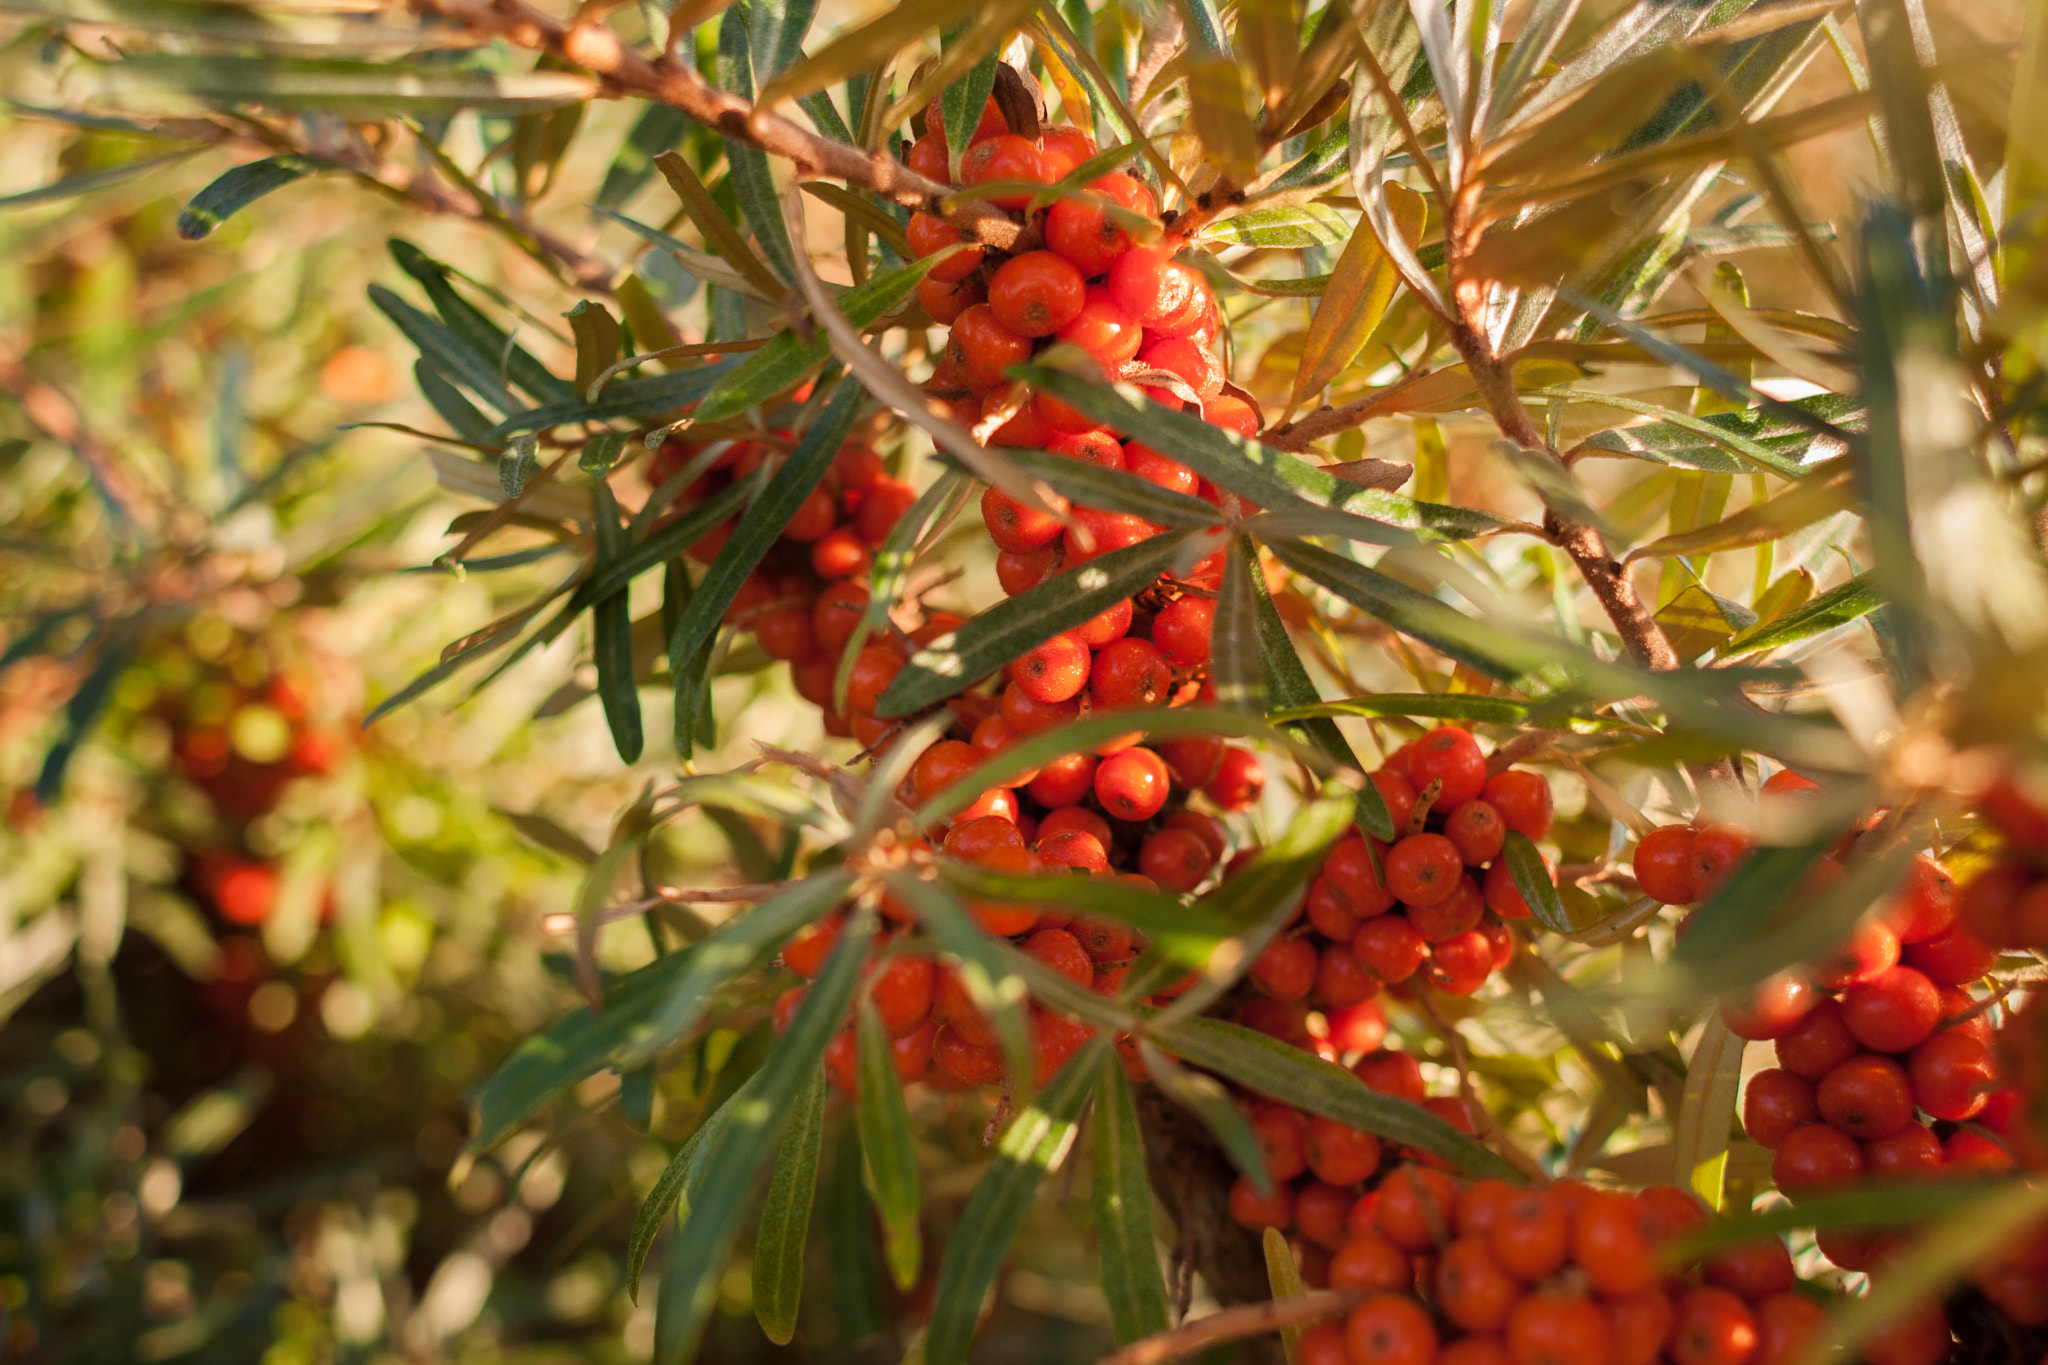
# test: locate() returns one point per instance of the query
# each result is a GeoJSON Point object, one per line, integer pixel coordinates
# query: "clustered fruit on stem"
{"type": "Point", "coordinates": [1482, 1273]}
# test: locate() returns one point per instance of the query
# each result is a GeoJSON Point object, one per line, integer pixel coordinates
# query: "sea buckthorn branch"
{"type": "Point", "coordinates": [666, 80]}
{"type": "Point", "coordinates": [1235, 1324]}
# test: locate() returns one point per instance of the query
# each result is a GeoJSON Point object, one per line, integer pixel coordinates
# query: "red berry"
{"type": "Point", "coordinates": [1175, 858]}
{"type": "Point", "coordinates": [1286, 969]}
{"type": "Point", "coordinates": [1239, 780]}
{"type": "Point", "coordinates": [1054, 671]}
{"type": "Point", "coordinates": [1717, 850]}
{"type": "Point", "coordinates": [1005, 157]}
{"type": "Point", "coordinates": [1085, 234]}
{"type": "Point", "coordinates": [1952, 1075]}
{"type": "Point", "coordinates": [1014, 526]}
{"type": "Point", "coordinates": [1182, 630]}
{"type": "Point", "coordinates": [1776, 1102]}
{"type": "Point", "coordinates": [1815, 1157]}
{"type": "Point", "coordinates": [1818, 1043]}
{"type": "Point", "coordinates": [1448, 754]}
{"type": "Point", "coordinates": [1423, 869]}
{"type": "Point", "coordinates": [1664, 865]}
{"type": "Point", "coordinates": [1871, 951]}
{"type": "Point", "coordinates": [1389, 947]}
{"type": "Point", "coordinates": [1478, 831]}
{"type": "Point", "coordinates": [1893, 1011]}
{"type": "Point", "coordinates": [1103, 330]}
{"type": "Point", "coordinates": [982, 349]}
{"type": "Point", "coordinates": [1523, 800]}
{"type": "Point", "coordinates": [1868, 1097]}
{"type": "Point", "coordinates": [1036, 294]}
{"type": "Point", "coordinates": [930, 234]}
{"type": "Point", "coordinates": [1130, 674]}
{"type": "Point", "coordinates": [1132, 785]}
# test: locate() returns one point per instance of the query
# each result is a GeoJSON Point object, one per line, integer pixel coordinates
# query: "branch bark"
{"type": "Point", "coordinates": [590, 45]}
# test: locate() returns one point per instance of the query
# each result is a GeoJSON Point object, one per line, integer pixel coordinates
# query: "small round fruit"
{"type": "Point", "coordinates": [1664, 865]}
{"type": "Point", "coordinates": [1133, 785]}
{"type": "Point", "coordinates": [1037, 293]}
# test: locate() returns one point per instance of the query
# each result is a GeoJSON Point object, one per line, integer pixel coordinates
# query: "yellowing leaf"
{"type": "Point", "coordinates": [1360, 288]}
{"type": "Point", "coordinates": [1269, 38]}
{"type": "Point", "coordinates": [1826, 491]}
{"type": "Point", "coordinates": [1217, 91]}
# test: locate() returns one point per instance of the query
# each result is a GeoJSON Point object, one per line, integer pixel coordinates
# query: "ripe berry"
{"type": "Point", "coordinates": [1927, 904]}
{"type": "Point", "coordinates": [1014, 526]}
{"type": "Point", "coordinates": [940, 766]}
{"type": "Point", "coordinates": [1005, 157]}
{"type": "Point", "coordinates": [1871, 950]}
{"type": "Point", "coordinates": [1026, 715]}
{"type": "Point", "coordinates": [1063, 781]}
{"type": "Point", "coordinates": [1954, 958]}
{"type": "Point", "coordinates": [1530, 1233]}
{"type": "Point", "coordinates": [1717, 850]}
{"type": "Point", "coordinates": [1019, 573]}
{"type": "Point", "coordinates": [881, 507]}
{"type": "Point", "coordinates": [1912, 1153]}
{"type": "Point", "coordinates": [973, 840]}
{"type": "Point", "coordinates": [1129, 674]}
{"type": "Point", "coordinates": [1776, 1102]}
{"type": "Point", "coordinates": [1053, 671]}
{"type": "Point", "coordinates": [1460, 965]}
{"type": "Point", "coordinates": [1074, 848]}
{"type": "Point", "coordinates": [1415, 1208]}
{"type": "Point", "coordinates": [1558, 1329]}
{"type": "Point", "coordinates": [1390, 1329]}
{"type": "Point", "coordinates": [1815, 1157]}
{"type": "Point", "coordinates": [1478, 831]}
{"type": "Point", "coordinates": [1132, 785]}
{"type": "Point", "coordinates": [902, 991]}
{"type": "Point", "coordinates": [1868, 1097]}
{"type": "Point", "coordinates": [1952, 1075]}
{"type": "Point", "coordinates": [1639, 1324]}
{"type": "Point", "coordinates": [1061, 951]}
{"type": "Point", "coordinates": [1238, 781]}
{"type": "Point", "coordinates": [1286, 969]}
{"type": "Point", "coordinates": [968, 1063]}
{"type": "Point", "coordinates": [1358, 1028]}
{"type": "Point", "coordinates": [1255, 1210]}
{"type": "Point", "coordinates": [1353, 876]}
{"type": "Point", "coordinates": [1398, 796]}
{"type": "Point", "coordinates": [1340, 1155]}
{"type": "Point", "coordinates": [1664, 865]}
{"type": "Point", "coordinates": [1192, 759]}
{"type": "Point", "coordinates": [930, 234]}
{"type": "Point", "coordinates": [1818, 1043]}
{"type": "Point", "coordinates": [1894, 1011]}
{"type": "Point", "coordinates": [1448, 754]}
{"type": "Point", "coordinates": [1182, 630]}
{"type": "Point", "coordinates": [1455, 914]}
{"type": "Point", "coordinates": [1005, 919]}
{"type": "Point", "coordinates": [1148, 284]}
{"type": "Point", "coordinates": [1609, 1244]}
{"type": "Point", "coordinates": [1772, 1009]}
{"type": "Point", "coordinates": [1342, 982]}
{"type": "Point", "coordinates": [1391, 1072]}
{"type": "Point", "coordinates": [1423, 869]}
{"type": "Point", "coordinates": [982, 349]}
{"type": "Point", "coordinates": [945, 300]}
{"type": "Point", "coordinates": [1389, 947]}
{"type": "Point", "coordinates": [1086, 234]}
{"type": "Point", "coordinates": [1369, 1261]}
{"type": "Point", "coordinates": [1076, 818]}
{"type": "Point", "coordinates": [1473, 1290]}
{"type": "Point", "coordinates": [1103, 330]}
{"type": "Point", "coordinates": [1159, 471]}
{"type": "Point", "coordinates": [1523, 800]}
{"type": "Point", "coordinates": [873, 670]}
{"type": "Point", "coordinates": [1037, 293]}
{"type": "Point", "coordinates": [1096, 533]}
{"type": "Point", "coordinates": [1713, 1327]}
{"type": "Point", "coordinates": [1175, 858]}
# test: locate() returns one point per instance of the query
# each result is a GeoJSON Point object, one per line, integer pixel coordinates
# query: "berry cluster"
{"type": "Point", "coordinates": [1429, 909]}
{"type": "Point", "coordinates": [1482, 1273]}
{"type": "Point", "coordinates": [1321, 1169]}
{"type": "Point", "coordinates": [241, 744]}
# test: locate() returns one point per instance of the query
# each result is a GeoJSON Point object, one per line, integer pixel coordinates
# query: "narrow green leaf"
{"type": "Point", "coordinates": [1307, 1082]}
{"type": "Point", "coordinates": [508, 359]}
{"type": "Point", "coordinates": [747, 166]}
{"type": "Point", "coordinates": [346, 87]}
{"type": "Point", "coordinates": [1235, 661]}
{"type": "Point", "coordinates": [1287, 227]}
{"type": "Point", "coordinates": [1114, 490]}
{"type": "Point", "coordinates": [1437, 624]}
{"type": "Point", "coordinates": [237, 189]}
{"type": "Point", "coordinates": [890, 1151]}
{"type": "Point", "coordinates": [82, 711]}
{"type": "Point", "coordinates": [1030, 1149]}
{"type": "Point", "coordinates": [1532, 880]}
{"type": "Point", "coordinates": [1186, 933]}
{"type": "Point", "coordinates": [786, 1216]}
{"type": "Point", "coordinates": [1466, 706]}
{"type": "Point", "coordinates": [649, 397]}
{"type": "Point", "coordinates": [451, 404]}
{"type": "Point", "coordinates": [1124, 1233]}
{"type": "Point", "coordinates": [760, 527]}
{"type": "Point", "coordinates": [443, 349]}
{"type": "Point", "coordinates": [671, 1188]}
{"type": "Point", "coordinates": [611, 629]}
{"type": "Point", "coordinates": [1852, 601]}
{"type": "Point", "coordinates": [738, 945]}
{"type": "Point", "coordinates": [1255, 471]}
{"type": "Point", "coordinates": [850, 1243]}
{"type": "Point", "coordinates": [732, 1158]}
{"type": "Point", "coordinates": [784, 361]}
{"type": "Point", "coordinates": [1287, 685]}
{"type": "Point", "coordinates": [961, 103]}
{"type": "Point", "coordinates": [1361, 286]}
{"type": "Point", "coordinates": [598, 341]}
{"type": "Point", "coordinates": [897, 555]}
{"type": "Point", "coordinates": [1706, 1111]}
{"type": "Point", "coordinates": [657, 130]}
{"type": "Point", "coordinates": [992, 982]}
{"type": "Point", "coordinates": [1008, 629]}
{"type": "Point", "coordinates": [574, 1047]}
{"type": "Point", "coordinates": [1283, 1276]}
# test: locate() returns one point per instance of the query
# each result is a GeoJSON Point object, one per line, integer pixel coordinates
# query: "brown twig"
{"type": "Point", "coordinates": [665, 79]}
{"type": "Point", "coordinates": [1235, 1324]}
